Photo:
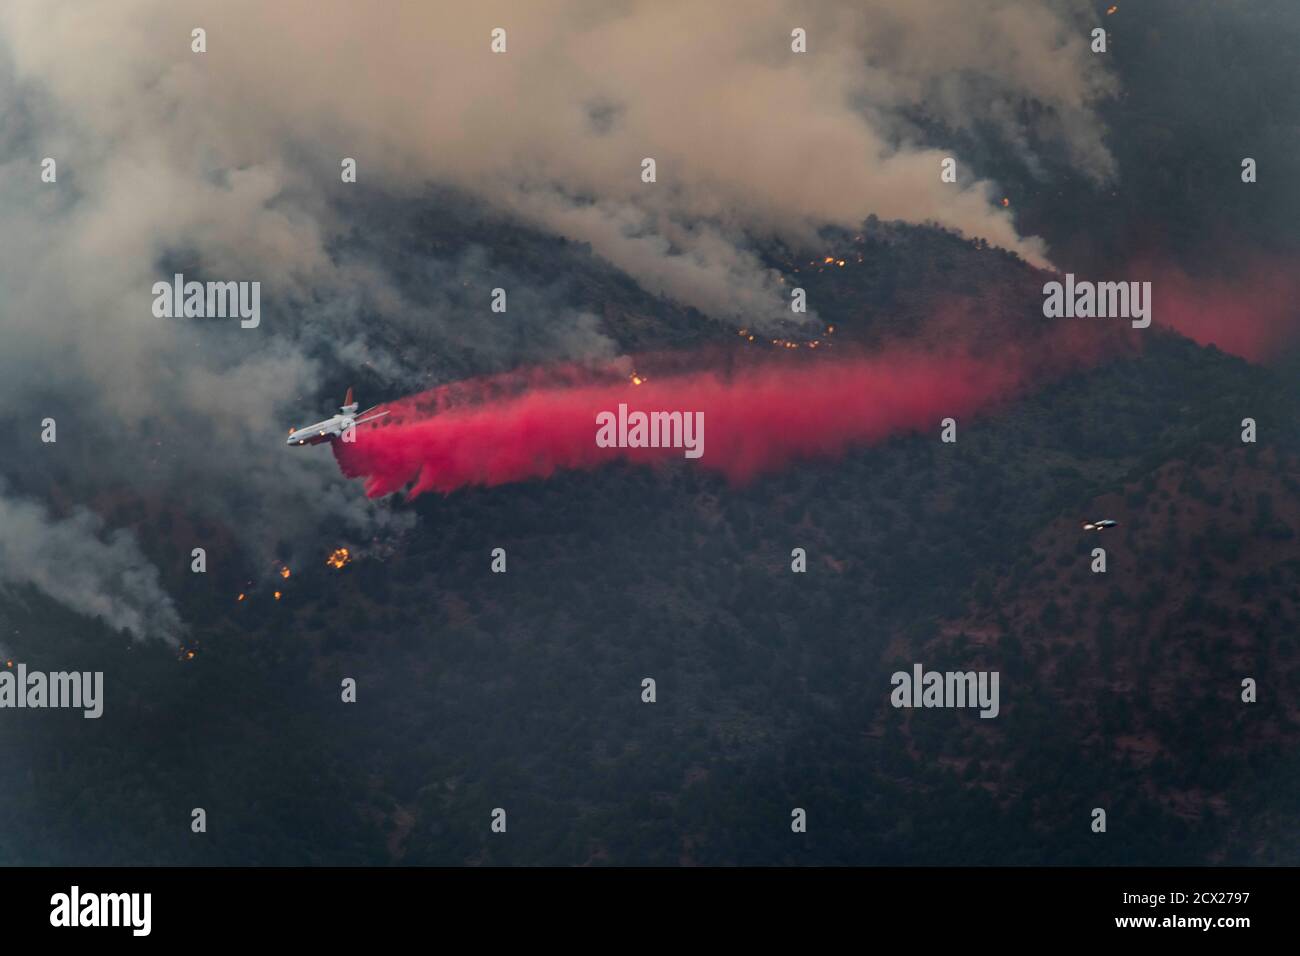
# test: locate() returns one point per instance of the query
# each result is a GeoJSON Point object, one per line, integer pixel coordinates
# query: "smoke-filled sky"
{"type": "Point", "coordinates": [225, 164]}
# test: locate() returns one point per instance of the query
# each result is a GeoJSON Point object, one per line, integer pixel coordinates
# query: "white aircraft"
{"type": "Point", "coordinates": [333, 428]}
{"type": "Point", "coordinates": [1101, 525]}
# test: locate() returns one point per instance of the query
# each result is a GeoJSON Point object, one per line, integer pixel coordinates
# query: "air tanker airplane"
{"type": "Point", "coordinates": [333, 428]}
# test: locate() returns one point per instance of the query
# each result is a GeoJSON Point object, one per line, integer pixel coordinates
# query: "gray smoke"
{"type": "Point", "coordinates": [77, 562]}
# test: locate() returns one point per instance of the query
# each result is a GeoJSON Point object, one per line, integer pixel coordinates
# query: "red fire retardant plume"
{"type": "Point", "coordinates": [533, 422]}
{"type": "Point", "coordinates": [755, 421]}
{"type": "Point", "coordinates": [1253, 314]}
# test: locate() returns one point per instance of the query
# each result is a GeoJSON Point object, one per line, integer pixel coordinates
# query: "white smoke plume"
{"type": "Point", "coordinates": [748, 136]}
{"type": "Point", "coordinates": [77, 563]}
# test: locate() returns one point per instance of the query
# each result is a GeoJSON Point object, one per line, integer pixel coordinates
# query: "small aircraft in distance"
{"type": "Point", "coordinates": [1101, 525]}
{"type": "Point", "coordinates": [333, 428]}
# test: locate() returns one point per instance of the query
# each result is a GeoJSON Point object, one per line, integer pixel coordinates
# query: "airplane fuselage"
{"type": "Point", "coordinates": [327, 430]}
{"type": "Point", "coordinates": [332, 428]}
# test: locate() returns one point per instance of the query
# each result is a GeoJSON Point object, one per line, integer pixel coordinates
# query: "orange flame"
{"type": "Point", "coordinates": [338, 558]}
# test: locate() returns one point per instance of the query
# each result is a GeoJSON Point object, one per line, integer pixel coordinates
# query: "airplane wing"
{"type": "Point", "coordinates": [362, 421]}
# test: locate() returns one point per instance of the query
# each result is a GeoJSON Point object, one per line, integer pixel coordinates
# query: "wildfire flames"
{"type": "Point", "coordinates": [787, 343]}
{"type": "Point", "coordinates": [829, 261]}
{"type": "Point", "coordinates": [284, 573]}
{"type": "Point", "coordinates": [338, 558]}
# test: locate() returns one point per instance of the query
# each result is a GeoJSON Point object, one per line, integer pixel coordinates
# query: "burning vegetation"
{"type": "Point", "coordinates": [790, 343]}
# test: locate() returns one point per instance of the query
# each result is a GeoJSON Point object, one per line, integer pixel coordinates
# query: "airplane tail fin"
{"type": "Point", "coordinates": [348, 399]}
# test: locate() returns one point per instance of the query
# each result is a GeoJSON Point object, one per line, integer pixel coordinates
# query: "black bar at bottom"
{"type": "Point", "coordinates": [331, 906]}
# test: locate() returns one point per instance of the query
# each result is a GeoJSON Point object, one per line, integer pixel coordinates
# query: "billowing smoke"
{"type": "Point", "coordinates": [94, 572]}
{"type": "Point", "coordinates": [235, 152]}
